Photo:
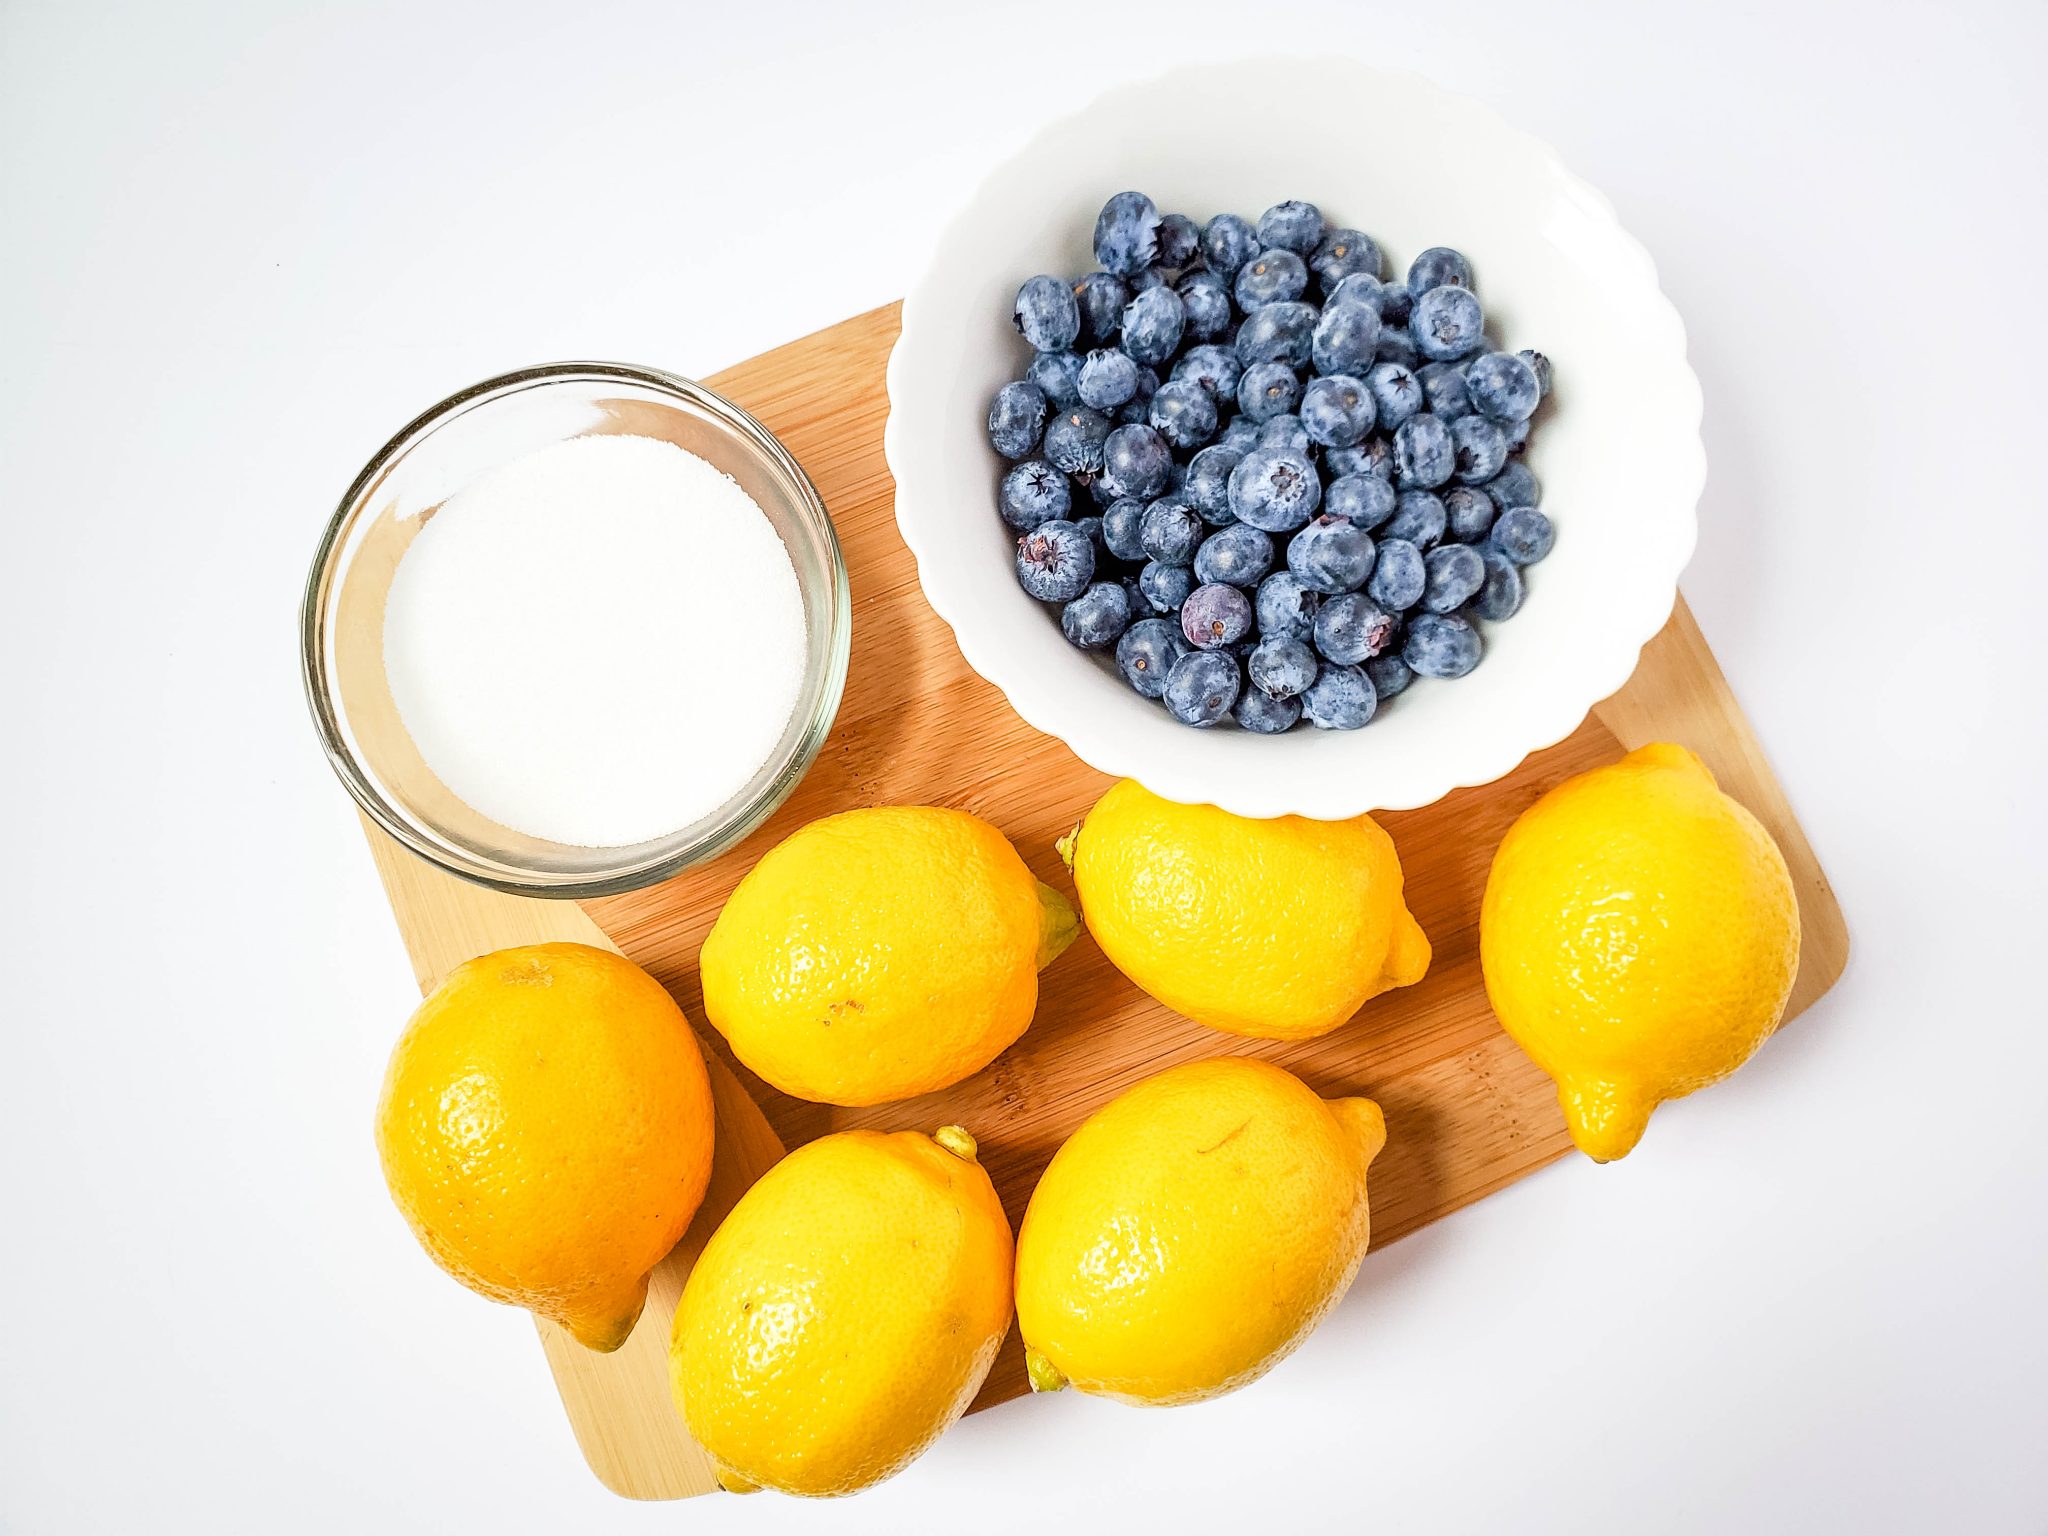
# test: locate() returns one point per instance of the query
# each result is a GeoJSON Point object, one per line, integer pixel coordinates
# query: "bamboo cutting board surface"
{"type": "Point", "coordinates": [1466, 1112]}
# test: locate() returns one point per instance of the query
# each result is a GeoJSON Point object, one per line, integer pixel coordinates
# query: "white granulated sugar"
{"type": "Point", "coordinates": [598, 643]}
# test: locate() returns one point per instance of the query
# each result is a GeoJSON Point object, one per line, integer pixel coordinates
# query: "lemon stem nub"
{"type": "Point", "coordinates": [1065, 845]}
{"type": "Point", "coordinates": [732, 1482]}
{"type": "Point", "coordinates": [1045, 1376]}
{"type": "Point", "coordinates": [956, 1140]}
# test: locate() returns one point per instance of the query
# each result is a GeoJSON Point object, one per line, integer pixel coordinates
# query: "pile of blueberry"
{"type": "Point", "coordinates": [1298, 506]}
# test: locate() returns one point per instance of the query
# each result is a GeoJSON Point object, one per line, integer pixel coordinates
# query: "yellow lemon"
{"type": "Point", "coordinates": [880, 954]}
{"type": "Point", "coordinates": [1280, 929]}
{"type": "Point", "coordinates": [545, 1127]}
{"type": "Point", "coordinates": [844, 1313]}
{"type": "Point", "coordinates": [1192, 1232]}
{"type": "Point", "coordinates": [1639, 938]}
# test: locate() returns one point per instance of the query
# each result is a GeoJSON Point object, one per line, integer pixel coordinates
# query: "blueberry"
{"type": "Point", "coordinates": [1058, 377]}
{"type": "Point", "coordinates": [1438, 267]}
{"type": "Point", "coordinates": [1074, 439]}
{"type": "Point", "coordinates": [1453, 575]}
{"type": "Point", "coordinates": [1368, 500]}
{"type": "Point", "coordinates": [1177, 240]}
{"type": "Point", "coordinates": [1424, 454]}
{"type": "Point", "coordinates": [1340, 699]}
{"type": "Point", "coordinates": [1419, 519]}
{"type": "Point", "coordinates": [1478, 449]}
{"type": "Point", "coordinates": [1396, 394]}
{"type": "Point", "coordinates": [1281, 666]}
{"type": "Point", "coordinates": [1170, 530]}
{"type": "Point", "coordinates": [1147, 652]}
{"type": "Point", "coordinates": [1271, 277]}
{"type": "Point", "coordinates": [1184, 414]}
{"type": "Point", "coordinates": [1292, 226]}
{"type": "Point", "coordinates": [1033, 493]}
{"type": "Point", "coordinates": [1440, 645]}
{"type": "Point", "coordinates": [1258, 711]}
{"type": "Point", "coordinates": [1516, 436]}
{"type": "Point", "coordinates": [1540, 366]}
{"type": "Point", "coordinates": [1097, 617]}
{"type": "Point", "coordinates": [1398, 576]}
{"type": "Point", "coordinates": [1207, 302]}
{"type": "Point", "coordinates": [1351, 627]}
{"type": "Point", "coordinates": [1016, 417]}
{"type": "Point", "coordinates": [1284, 431]}
{"type": "Point", "coordinates": [1242, 435]}
{"type": "Point", "coordinates": [1503, 387]}
{"type": "Point", "coordinates": [1055, 561]}
{"type": "Point", "coordinates": [1101, 297]}
{"type": "Point", "coordinates": [1388, 674]}
{"type": "Point", "coordinates": [1108, 379]}
{"type": "Point", "coordinates": [1239, 555]}
{"type": "Point", "coordinates": [1165, 587]}
{"type": "Point", "coordinates": [1201, 687]}
{"type": "Point", "coordinates": [1337, 410]}
{"type": "Point", "coordinates": [1395, 305]}
{"type": "Point", "coordinates": [1092, 526]}
{"type": "Point", "coordinates": [1275, 489]}
{"type": "Point", "coordinates": [1266, 390]}
{"type": "Point", "coordinates": [1344, 253]}
{"type": "Point", "coordinates": [1102, 495]}
{"type": "Point", "coordinates": [1135, 408]}
{"type": "Point", "coordinates": [1331, 554]}
{"type": "Point", "coordinates": [1215, 368]}
{"type": "Point", "coordinates": [1286, 606]}
{"type": "Point", "coordinates": [1153, 322]}
{"type": "Point", "coordinates": [1374, 456]}
{"type": "Point", "coordinates": [1468, 513]}
{"type": "Point", "coordinates": [1215, 615]}
{"type": "Point", "coordinates": [1501, 595]}
{"type": "Point", "coordinates": [1345, 339]}
{"type": "Point", "coordinates": [1127, 234]}
{"type": "Point", "coordinates": [1046, 314]}
{"type": "Point", "coordinates": [1523, 534]}
{"type": "Point", "coordinates": [1149, 277]}
{"type": "Point", "coordinates": [1396, 345]}
{"type": "Point", "coordinates": [1135, 461]}
{"type": "Point", "coordinates": [1358, 288]}
{"type": "Point", "coordinates": [1207, 486]}
{"type": "Point", "coordinates": [1278, 333]}
{"type": "Point", "coordinates": [1120, 529]}
{"type": "Point", "coordinates": [1227, 244]}
{"type": "Point", "coordinates": [1514, 486]}
{"type": "Point", "coordinates": [1446, 323]}
{"type": "Point", "coordinates": [1443, 387]}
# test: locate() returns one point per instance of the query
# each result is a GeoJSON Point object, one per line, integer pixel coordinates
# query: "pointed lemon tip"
{"type": "Point", "coordinates": [1606, 1120]}
{"type": "Point", "coordinates": [1058, 924]}
{"type": "Point", "coordinates": [1408, 951]}
{"type": "Point", "coordinates": [732, 1482]}
{"type": "Point", "coordinates": [1669, 754]}
{"type": "Point", "coordinates": [1366, 1123]}
{"type": "Point", "coordinates": [956, 1140]}
{"type": "Point", "coordinates": [604, 1331]}
{"type": "Point", "coordinates": [1045, 1376]}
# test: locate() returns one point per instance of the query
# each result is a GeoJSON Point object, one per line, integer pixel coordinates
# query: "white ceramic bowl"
{"type": "Point", "coordinates": [1617, 447]}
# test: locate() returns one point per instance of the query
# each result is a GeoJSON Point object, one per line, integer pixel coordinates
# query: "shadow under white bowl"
{"type": "Point", "coordinates": [1617, 447]}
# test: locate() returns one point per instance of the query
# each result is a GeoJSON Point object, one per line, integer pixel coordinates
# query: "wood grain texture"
{"type": "Point", "coordinates": [1467, 1113]}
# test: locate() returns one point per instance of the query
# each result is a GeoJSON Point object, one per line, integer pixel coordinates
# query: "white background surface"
{"type": "Point", "coordinates": [239, 244]}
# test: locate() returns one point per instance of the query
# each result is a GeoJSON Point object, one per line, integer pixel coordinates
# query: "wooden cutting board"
{"type": "Point", "coordinates": [1466, 1111]}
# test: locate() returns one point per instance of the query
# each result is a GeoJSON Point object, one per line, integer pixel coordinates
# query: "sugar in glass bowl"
{"type": "Point", "coordinates": [459, 445]}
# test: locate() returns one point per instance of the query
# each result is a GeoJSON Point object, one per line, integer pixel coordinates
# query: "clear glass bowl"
{"type": "Point", "coordinates": [465, 436]}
